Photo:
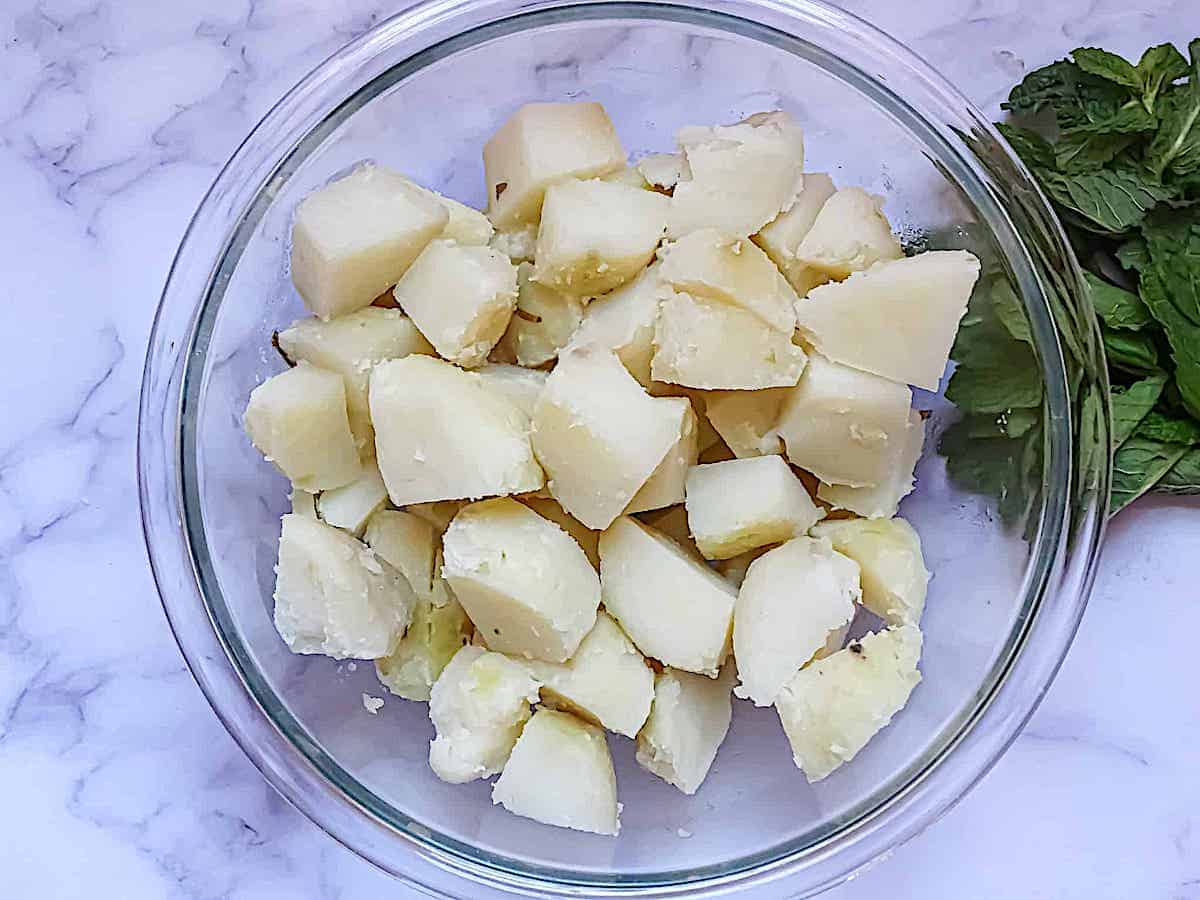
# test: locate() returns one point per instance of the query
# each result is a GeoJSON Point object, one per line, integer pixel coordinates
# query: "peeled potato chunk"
{"type": "Point", "coordinates": [742, 504]}
{"type": "Point", "coordinates": [334, 596]}
{"type": "Point", "coordinates": [606, 681]}
{"type": "Point", "coordinates": [525, 583]}
{"type": "Point", "coordinates": [416, 661]}
{"type": "Point", "coordinates": [518, 243]}
{"type": "Point", "coordinates": [792, 598]}
{"type": "Point", "coordinates": [408, 542]}
{"type": "Point", "coordinates": [710, 265]}
{"type": "Point", "coordinates": [297, 420]}
{"type": "Point", "coordinates": [561, 773]}
{"type": "Point", "coordinates": [623, 321]}
{"type": "Point", "coordinates": [460, 297]}
{"type": "Point", "coordinates": [833, 707]}
{"type": "Point", "coordinates": [599, 435]}
{"type": "Point", "coordinates": [587, 539]}
{"type": "Point", "coordinates": [465, 225]}
{"type": "Point", "coordinates": [849, 234]}
{"type": "Point", "coordinates": [897, 319]}
{"type": "Point", "coordinates": [596, 235]}
{"type": "Point", "coordinates": [746, 420]}
{"type": "Point", "coordinates": [687, 724]}
{"type": "Point", "coordinates": [782, 236]}
{"type": "Point", "coordinates": [888, 553]}
{"type": "Point", "coordinates": [666, 486]}
{"type": "Point", "coordinates": [438, 514]}
{"type": "Point", "coordinates": [543, 322]}
{"type": "Point", "coordinates": [674, 607]}
{"type": "Point", "coordinates": [738, 177]}
{"type": "Point", "coordinates": [882, 500]}
{"type": "Point", "coordinates": [663, 170]}
{"type": "Point", "coordinates": [629, 176]}
{"type": "Point", "coordinates": [350, 506]}
{"type": "Point", "coordinates": [355, 237]}
{"type": "Point", "coordinates": [478, 705]}
{"type": "Point", "coordinates": [844, 425]}
{"type": "Point", "coordinates": [542, 143]}
{"type": "Point", "coordinates": [711, 345]}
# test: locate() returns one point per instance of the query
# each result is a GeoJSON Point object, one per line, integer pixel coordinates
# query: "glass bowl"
{"type": "Point", "coordinates": [422, 92]}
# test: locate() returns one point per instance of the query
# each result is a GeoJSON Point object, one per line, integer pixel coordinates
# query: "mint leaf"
{"type": "Point", "coordinates": [1138, 464]}
{"type": "Point", "coordinates": [1176, 145]}
{"type": "Point", "coordinates": [1158, 68]}
{"type": "Point", "coordinates": [1108, 66]}
{"type": "Point", "coordinates": [1130, 351]}
{"type": "Point", "coordinates": [1007, 308]}
{"type": "Point", "coordinates": [1134, 254]}
{"type": "Point", "coordinates": [1007, 470]}
{"type": "Point", "coordinates": [1013, 423]}
{"type": "Point", "coordinates": [1130, 405]}
{"type": "Point", "coordinates": [1117, 307]}
{"type": "Point", "coordinates": [1083, 150]}
{"type": "Point", "coordinates": [1035, 151]}
{"type": "Point", "coordinates": [1110, 200]}
{"type": "Point", "coordinates": [1183, 477]}
{"type": "Point", "coordinates": [1157, 426]}
{"type": "Point", "coordinates": [1075, 96]}
{"type": "Point", "coordinates": [1170, 288]}
{"type": "Point", "coordinates": [996, 371]}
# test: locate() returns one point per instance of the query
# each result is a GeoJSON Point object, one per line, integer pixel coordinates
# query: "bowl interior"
{"type": "Point", "coordinates": [654, 69]}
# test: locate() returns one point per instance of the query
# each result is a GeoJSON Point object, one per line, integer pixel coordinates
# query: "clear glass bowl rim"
{"type": "Point", "coordinates": [1067, 545]}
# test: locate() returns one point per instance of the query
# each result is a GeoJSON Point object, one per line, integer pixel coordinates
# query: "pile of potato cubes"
{"type": "Point", "coordinates": [584, 453]}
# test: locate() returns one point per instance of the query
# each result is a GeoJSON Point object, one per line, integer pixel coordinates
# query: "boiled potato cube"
{"type": "Point", "coordinates": [897, 319]}
{"type": "Point", "coordinates": [542, 323]}
{"type": "Point", "coordinates": [460, 297]}
{"type": "Point", "coordinates": [791, 600]}
{"type": "Point", "coordinates": [409, 543]}
{"type": "Point", "coordinates": [442, 434]}
{"type": "Point", "coordinates": [351, 505]}
{"type": "Point", "coordinates": [439, 514]}
{"type": "Point", "coordinates": [465, 225]}
{"type": "Point", "coordinates": [674, 607]}
{"type": "Point", "coordinates": [888, 553]}
{"type": "Point", "coordinates": [297, 420]}
{"type": "Point", "coordinates": [746, 420]}
{"type": "Point", "coordinates": [849, 234]}
{"type": "Point", "coordinates": [334, 596]}
{"type": "Point", "coordinates": [688, 721]}
{"type": "Point", "coordinates": [352, 345]}
{"type": "Point", "coordinates": [882, 500]}
{"type": "Point", "coordinates": [843, 425]}
{"type": "Point", "coordinates": [525, 583]}
{"type": "Point", "coordinates": [709, 265]}
{"type": "Point", "coordinates": [666, 486]}
{"type": "Point", "coordinates": [712, 345]}
{"type": "Point", "coordinates": [742, 504]}
{"type": "Point", "coordinates": [623, 321]}
{"type": "Point", "coordinates": [478, 705]}
{"type": "Point", "coordinates": [417, 660]}
{"type": "Point", "coordinates": [587, 539]}
{"type": "Point", "coordinates": [833, 707]}
{"type": "Point", "coordinates": [738, 177]}
{"type": "Point", "coordinates": [518, 243]}
{"type": "Point", "coordinates": [355, 237]}
{"type": "Point", "coordinates": [542, 143]}
{"type": "Point", "coordinates": [782, 236]}
{"type": "Point", "coordinates": [629, 175]}
{"type": "Point", "coordinates": [606, 681]}
{"type": "Point", "coordinates": [561, 773]}
{"type": "Point", "coordinates": [663, 170]}
{"type": "Point", "coordinates": [596, 235]}
{"type": "Point", "coordinates": [599, 436]}
{"type": "Point", "coordinates": [519, 385]}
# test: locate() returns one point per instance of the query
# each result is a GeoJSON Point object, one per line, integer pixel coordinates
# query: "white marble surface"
{"type": "Point", "coordinates": [117, 780]}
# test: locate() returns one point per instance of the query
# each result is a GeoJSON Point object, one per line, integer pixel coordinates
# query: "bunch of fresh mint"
{"type": "Point", "coordinates": [1116, 147]}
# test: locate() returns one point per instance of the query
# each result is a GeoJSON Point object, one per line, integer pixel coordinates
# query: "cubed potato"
{"type": "Point", "coordinates": [409, 543]}
{"type": "Point", "coordinates": [334, 595]}
{"type": "Point", "coordinates": [623, 321]}
{"type": "Point", "coordinates": [303, 503]}
{"type": "Point", "coordinates": [843, 425]}
{"type": "Point", "coordinates": [687, 724]}
{"type": "Point", "coordinates": [738, 177]}
{"type": "Point", "coordinates": [518, 243]}
{"type": "Point", "coordinates": [354, 238]}
{"type": "Point", "coordinates": [882, 500]}
{"type": "Point", "coordinates": [297, 420]}
{"type": "Point", "coordinates": [712, 345]}
{"type": "Point", "coordinates": [443, 434]}
{"type": "Point", "coordinates": [666, 486]}
{"type": "Point", "coordinates": [833, 707]}
{"type": "Point", "coordinates": [478, 705]}
{"type": "Point", "coordinates": [540, 144]}
{"type": "Point", "coordinates": [674, 607]}
{"type": "Point", "coordinates": [849, 234]}
{"type": "Point", "coordinates": [742, 504]}
{"type": "Point", "coordinates": [746, 420]}
{"type": "Point", "coordinates": [599, 435]}
{"type": "Point", "coordinates": [351, 346]}
{"type": "Point", "coordinates": [663, 170]}
{"type": "Point", "coordinates": [438, 514]}
{"type": "Point", "coordinates": [782, 236]}
{"type": "Point", "coordinates": [519, 385]}
{"type": "Point", "coordinates": [596, 235]}
{"type": "Point", "coordinates": [712, 266]}
{"type": "Point", "coordinates": [460, 297]}
{"type": "Point", "coordinates": [606, 681]}
{"type": "Point", "coordinates": [888, 553]}
{"type": "Point", "coordinates": [561, 773]}
{"type": "Point", "coordinates": [465, 225]}
{"type": "Point", "coordinates": [791, 600]}
{"type": "Point", "coordinates": [630, 176]}
{"type": "Point", "coordinates": [587, 539]}
{"type": "Point", "coordinates": [898, 319]}
{"type": "Point", "coordinates": [351, 505]}
{"type": "Point", "coordinates": [525, 582]}
{"type": "Point", "coordinates": [417, 660]}
{"type": "Point", "coordinates": [543, 321]}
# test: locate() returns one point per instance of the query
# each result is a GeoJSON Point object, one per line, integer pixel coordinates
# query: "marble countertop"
{"type": "Point", "coordinates": [118, 780]}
